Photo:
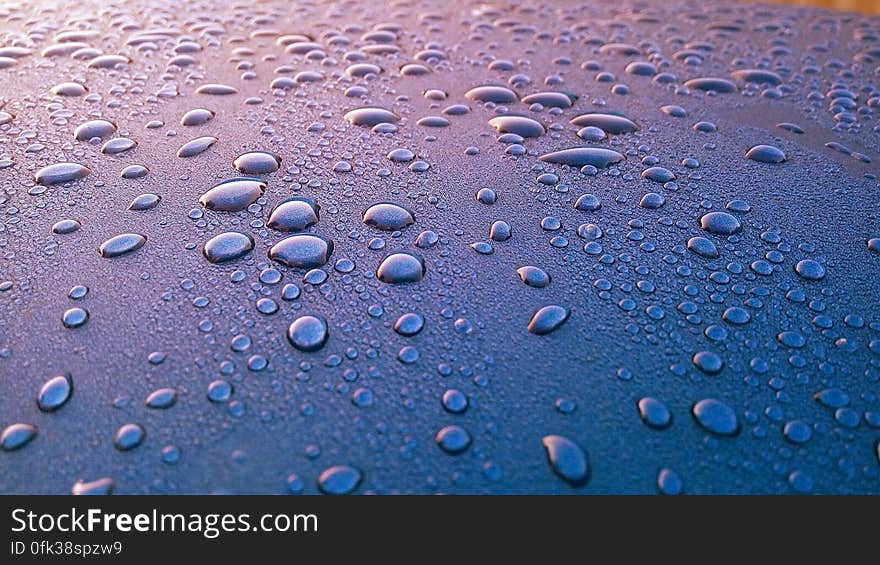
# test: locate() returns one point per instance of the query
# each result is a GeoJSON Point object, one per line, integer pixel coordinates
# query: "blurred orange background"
{"type": "Point", "coordinates": [866, 6]}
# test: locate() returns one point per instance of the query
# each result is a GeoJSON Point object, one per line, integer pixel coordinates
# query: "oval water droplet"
{"type": "Point", "coordinates": [122, 244]}
{"type": "Point", "coordinates": [197, 117]}
{"type": "Point", "coordinates": [371, 116]}
{"type": "Point", "coordinates": [810, 270]}
{"type": "Point", "coordinates": [388, 216]}
{"type": "Point", "coordinates": [409, 324]}
{"type": "Point", "coordinates": [257, 163]}
{"type": "Point", "coordinates": [61, 173]}
{"type": "Point", "coordinates": [766, 154]}
{"type": "Point", "coordinates": [17, 436]}
{"type": "Point", "coordinates": [94, 128]}
{"type": "Point", "coordinates": [55, 393]}
{"type": "Point", "coordinates": [548, 319]}
{"type": "Point", "coordinates": [401, 267]}
{"type": "Point", "coordinates": [339, 479]}
{"type": "Point", "coordinates": [609, 123]}
{"type": "Point", "coordinates": [145, 202]}
{"type": "Point", "coordinates": [580, 156]}
{"type": "Point", "coordinates": [453, 439]}
{"type": "Point", "coordinates": [217, 89]}
{"type": "Point", "coordinates": [720, 223]}
{"type": "Point", "coordinates": [716, 417]}
{"type": "Point", "coordinates": [128, 437]}
{"type": "Point", "coordinates": [533, 276]}
{"type": "Point", "coordinates": [64, 227]}
{"type": "Point", "coordinates": [161, 399]}
{"type": "Point", "coordinates": [294, 214]}
{"type": "Point", "coordinates": [196, 146]}
{"type": "Point", "coordinates": [567, 460]}
{"type": "Point", "coordinates": [228, 246]}
{"type": "Point", "coordinates": [306, 251]}
{"type": "Point", "coordinates": [233, 195]}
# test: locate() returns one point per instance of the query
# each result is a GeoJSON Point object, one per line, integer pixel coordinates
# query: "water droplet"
{"type": "Point", "coordinates": [339, 479]}
{"type": "Point", "coordinates": [520, 125]}
{"type": "Point", "coordinates": [719, 85]}
{"type": "Point", "coordinates": [74, 317]}
{"type": "Point", "coordinates": [454, 401]}
{"type": "Point", "coordinates": [145, 202]}
{"type": "Point", "coordinates": [162, 398]}
{"type": "Point", "coordinates": [453, 439]}
{"type": "Point", "coordinates": [797, 432]}
{"type": "Point", "coordinates": [308, 333]}
{"type": "Point", "coordinates": [567, 459]}
{"type": "Point", "coordinates": [228, 246]}
{"type": "Point", "coordinates": [306, 251]}
{"type": "Point", "coordinates": [93, 128]}
{"type": "Point", "coordinates": [703, 247]}
{"type": "Point", "coordinates": [533, 276]}
{"type": "Point", "coordinates": [55, 393]}
{"type": "Point", "coordinates": [766, 154]}
{"type": "Point", "coordinates": [550, 99]}
{"type": "Point", "coordinates": [294, 214]}
{"type": "Point", "coordinates": [98, 487]}
{"type": "Point", "coordinates": [547, 319]}
{"type": "Point", "coordinates": [134, 172]}
{"type": "Point", "coordinates": [580, 156]}
{"type": "Point", "coordinates": [64, 227]}
{"type": "Point", "coordinates": [654, 413]}
{"type": "Point", "coordinates": [233, 195]}
{"type": "Point", "coordinates": [720, 223]}
{"type": "Point", "coordinates": [69, 89]}
{"type": "Point", "coordinates": [129, 436]}
{"type": "Point", "coordinates": [371, 116]}
{"type": "Point", "coordinates": [490, 93]}
{"type": "Point", "coordinates": [257, 163]}
{"type": "Point", "coordinates": [669, 483]}
{"type": "Point", "coordinates": [409, 324]}
{"type": "Point", "coordinates": [716, 417]}
{"type": "Point", "coordinates": [196, 146]}
{"type": "Point", "coordinates": [708, 361]}
{"type": "Point", "coordinates": [810, 270]}
{"type": "Point", "coordinates": [17, 436]}
{"type": "Point", "coordinates": [197, 117]}
{"type": "Point", "coordinates": [402, 267]}
{"type": "Point", "coordinates": [499, 231]}
{"type": "Point", "coordinates": [216, 89]}
{"type": "Point", "coordinates": [388, 216]}
{"type": "Point", "coordinates": [122, 244]}
{"type": "Point", "coordinates": [61, 173]}
{"type": "Point", "coordinates": [609, 123]}
{"type": "Point", "coordinates": [118, 145]}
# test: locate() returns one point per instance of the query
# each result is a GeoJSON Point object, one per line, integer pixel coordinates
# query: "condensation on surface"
{"type": "Point", "coordinates": [433, 247]}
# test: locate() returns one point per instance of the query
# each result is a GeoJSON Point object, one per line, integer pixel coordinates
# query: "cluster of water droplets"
{"type": "Point", "coordinates": [487, 228]}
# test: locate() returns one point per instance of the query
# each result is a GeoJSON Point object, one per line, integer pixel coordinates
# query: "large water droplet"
{"type": "Point", "coordinates": [567, 459]}
{"type": "Point", "coordinates": [305, 251]}
{"type": "Point", "coordinates": [580, 156]}
{"type": "Point", "coordinates": [61, 173]}
{"type": "Point", "coordinates": [54, 393]}
{"type": "Point", "coordinates": [233, 195]}
{"type": "Point", "coordinates": [388, 216]}
{"type": "Point", "coordinates": [17, 436]}
{"type": "Point", "coordinates": [716, 417]}
{"type": "Point", "coordinates": [548, 319]}
{"type": "Point", "coordinates": [294, 214]}
{"type": "Point", "coordinates": [402, 267]}
{"type": "Point", "coordinates": [339, 479]}
{"type": "Point", "coordinates": [122, 244]}
{"type": "Point", "coordinates": [228, 246]}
